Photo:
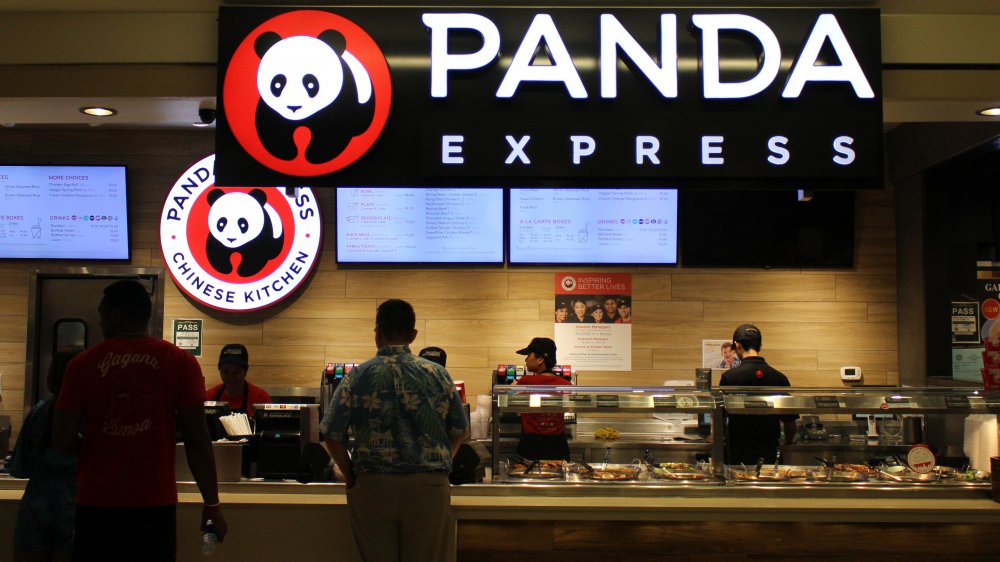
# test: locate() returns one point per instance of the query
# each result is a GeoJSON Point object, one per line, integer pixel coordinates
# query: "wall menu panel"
{"type": "Point", "coordinates": [63, 212]}
{"type": "Point", "coordinates": [593, 226]}
{"type": "Point", "coordinates": [419, 225]}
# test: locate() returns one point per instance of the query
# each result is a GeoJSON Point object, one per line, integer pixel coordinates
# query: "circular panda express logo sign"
{"type": "Point", "coordinates": [307, 93]}
{"type": "Point", "coordinates": [237, 248]}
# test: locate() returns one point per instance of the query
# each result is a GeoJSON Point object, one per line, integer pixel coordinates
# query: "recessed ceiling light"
{"type": "Point", "coordinates": [989, 111]}
{"type": "Point", "coordinates": [199, 124]}
{"type": "Point", "coordinates": [99, 111]}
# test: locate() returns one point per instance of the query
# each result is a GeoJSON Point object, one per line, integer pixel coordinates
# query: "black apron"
{"type": "Point", "coordinates": [246, 396]}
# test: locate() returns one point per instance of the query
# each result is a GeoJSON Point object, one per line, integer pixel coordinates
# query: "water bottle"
{"type": "Point", "coordinates": [209, 539]}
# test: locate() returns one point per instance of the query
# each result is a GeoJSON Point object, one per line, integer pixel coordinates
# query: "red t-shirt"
{"type": "Point", "coordinates": [127, 390]}
{"type": "Point", "coordinates": [254, 395]}
{"type": "Point", "coordinates": [543, 424]}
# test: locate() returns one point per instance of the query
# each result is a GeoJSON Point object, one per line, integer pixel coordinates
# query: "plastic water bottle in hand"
{"type": "Point", "coordinates": [209, 539]}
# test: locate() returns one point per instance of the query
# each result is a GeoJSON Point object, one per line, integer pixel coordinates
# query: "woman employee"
{"type": "Point", "coordinates": [241, 395]}
{"type": "Point", "coordinates": [543, 436]}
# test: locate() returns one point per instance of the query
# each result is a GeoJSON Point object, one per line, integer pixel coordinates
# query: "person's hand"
{"type": "Point", "coordinates": [214, 513]}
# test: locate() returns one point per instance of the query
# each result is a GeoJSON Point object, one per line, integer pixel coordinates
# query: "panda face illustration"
{"type": "Point", "coordinates": [300, 76]}
{"type": "Point", "coordinates": [236, 219]}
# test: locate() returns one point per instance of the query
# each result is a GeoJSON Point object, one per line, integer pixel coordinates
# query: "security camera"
{"type": "Point", "coordinates": [207, 115]}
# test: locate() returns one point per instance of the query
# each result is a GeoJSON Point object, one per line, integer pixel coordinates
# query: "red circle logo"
{"type": "Point", "coordinates": [307, 93]}
{"type": "Point", "coordinates": [991, 308]}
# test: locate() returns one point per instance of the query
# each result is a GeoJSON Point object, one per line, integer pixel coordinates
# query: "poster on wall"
{"type": "Point", "coordinates": [965, 322]}
{"type": "Point", "coordinates": [187, 334]}
{"type": "Point", "coordinates": [593, 320]}
{"type": "Point", "coordinates": [718, 355]}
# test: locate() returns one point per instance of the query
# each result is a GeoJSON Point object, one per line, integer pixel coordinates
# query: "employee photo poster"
{"type": "Point", "coordinates": [593, 320]}
{"type": "Point", "coordinates": [718, 355]}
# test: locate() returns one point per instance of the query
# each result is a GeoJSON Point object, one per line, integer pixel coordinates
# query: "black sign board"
{"type": "Point", "coordinates": [491, 96]}
{"type": "Point", "coordinates": [664, 402]}
{"type": "Point", "coordinates": [607, 401]}
{"type": "Point", "coordinates": [757, 404]}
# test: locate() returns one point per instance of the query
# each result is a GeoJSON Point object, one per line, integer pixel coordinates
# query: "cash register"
{"type": "Point", "coordinates": [283, 432]}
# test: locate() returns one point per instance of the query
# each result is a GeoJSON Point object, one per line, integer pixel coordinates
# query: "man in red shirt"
{"type": "Point", "coordinates": [234, 361]}
{"type": "Point", "coordinates": [122, 395]}
{"type": "Point", "coordinates": [543, 436]}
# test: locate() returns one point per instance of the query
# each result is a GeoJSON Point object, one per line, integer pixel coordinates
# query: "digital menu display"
{"type": "Point", "coordinates": [419, 225]}
{"type": "Point", "coordinates": [593, 226]}
{"type": "Point", "coordinates": [63, 212]}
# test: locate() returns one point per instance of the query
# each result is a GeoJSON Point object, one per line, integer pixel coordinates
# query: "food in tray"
{"type": "Point", "coordinates": [767, 475]}
{"type": "Point", "coordinates": [823, 475]}
{"type": "Point", "coordinates": [607, 434]}
{"type": "Point", "coordinates": [681, 472]}
{"type": "Point", "coordinates": [612, 474]}
{"type": "Point", "coordinates": [540, 469]}
{"type": "Point", "coordinates": [859, 468]}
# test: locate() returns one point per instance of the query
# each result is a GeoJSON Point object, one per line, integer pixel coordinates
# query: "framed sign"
{"type": "Point", "coordinates": [524, 97]}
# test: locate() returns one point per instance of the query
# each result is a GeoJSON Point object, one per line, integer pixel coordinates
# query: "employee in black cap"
{"type": "Point", "coordinates": [241, 395]}
{"type": "Point", "coordinates": [753, 437]}
{"type": "Point", "coordinates": [435, 354]}
{"type": "Point", "coordinates": [543, 436]}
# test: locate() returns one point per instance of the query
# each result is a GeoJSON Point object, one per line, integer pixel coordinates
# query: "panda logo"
{"type": "Point", "coordinates": [242, 224]}
{"type": "Point", "coordinates": [311, 82]}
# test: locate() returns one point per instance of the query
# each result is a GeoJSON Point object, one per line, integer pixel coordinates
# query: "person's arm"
{"type": "Point", "coordinates": [201, 461]}
{"type": "Point", "coordinates": [66, 431]}
{"type": "Point", "coordinates": [343, 459]}
{"type": "Point", "coordinates": [457, 440]}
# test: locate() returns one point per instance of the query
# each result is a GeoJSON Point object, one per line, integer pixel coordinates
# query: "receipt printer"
{"type": "Point", "coordinates": [283, 431]}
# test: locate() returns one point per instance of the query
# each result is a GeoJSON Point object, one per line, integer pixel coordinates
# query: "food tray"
{"type": "Point", "coordinates": [822, 475]}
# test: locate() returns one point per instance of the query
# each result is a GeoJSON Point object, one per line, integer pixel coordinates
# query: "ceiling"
{"type": "Point", "coordinates": [154, 61]}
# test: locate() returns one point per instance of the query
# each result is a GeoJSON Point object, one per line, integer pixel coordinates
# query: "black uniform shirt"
{"type": "Point", "coordinates": [754, 371]}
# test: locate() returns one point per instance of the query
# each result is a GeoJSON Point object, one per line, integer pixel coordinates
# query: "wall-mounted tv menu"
{"type": "Point", "coordinates": [419, 225]}
{"type": "Point", "coordinates": [593, 226]}
{"type": "Point", "coordinates": [63, 212]}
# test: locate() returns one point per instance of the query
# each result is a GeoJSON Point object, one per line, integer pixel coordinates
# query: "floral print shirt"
{"type": "Point", "coordinates": [402, 411]}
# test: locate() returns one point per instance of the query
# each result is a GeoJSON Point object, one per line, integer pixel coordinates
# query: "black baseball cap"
{"type": "Point", "coordinates": [748, 335]}
{"type": "Point", "coordinates": [435, 354]}
{"type": "Point", "coordinates": [234, 353]}
{"type": "Point", "coordinates": [542, 347]}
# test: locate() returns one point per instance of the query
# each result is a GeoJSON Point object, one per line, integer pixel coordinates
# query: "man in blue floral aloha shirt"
{"type": "Point", "coordinates": [407, 421]}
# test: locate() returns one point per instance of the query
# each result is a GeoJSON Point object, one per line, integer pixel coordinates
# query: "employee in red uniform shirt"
{"type": "Point", "coordinates": [543, 436]}
{"type": "Point", "coordinates": [241, 395]}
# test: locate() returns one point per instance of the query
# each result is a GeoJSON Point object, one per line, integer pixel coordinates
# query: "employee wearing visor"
{"type": "Point", "coordinates": [543, 436]}
{"type": "Point", "coordinates": [241, 395]}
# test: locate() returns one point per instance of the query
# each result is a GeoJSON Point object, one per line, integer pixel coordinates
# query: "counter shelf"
{"type": "Point", "coordinates": [662, 420]}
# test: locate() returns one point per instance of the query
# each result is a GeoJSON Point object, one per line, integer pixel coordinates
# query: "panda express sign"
{"type": "Point", "coordinates": [237, 249]}
{"type": "Point", "coordinates": [555, 96]}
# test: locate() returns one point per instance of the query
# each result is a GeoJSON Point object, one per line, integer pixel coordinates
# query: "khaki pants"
{"type": "Point", "coordinates": [402, 517]}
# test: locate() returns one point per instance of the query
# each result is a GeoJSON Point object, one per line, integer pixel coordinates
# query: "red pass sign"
{"type": "Point", "coordinates": [921, 459]}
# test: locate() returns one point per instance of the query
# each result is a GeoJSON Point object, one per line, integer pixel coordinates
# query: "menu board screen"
{"type": "Point", "coordinates": [63, 212]}
{"type": "Point", "coordinates": [593, 226]}
{"type": "Point", "coordinates": [419, 225]}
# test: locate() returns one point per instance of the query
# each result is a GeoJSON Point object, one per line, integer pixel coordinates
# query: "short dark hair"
{"type": "Point", "coordinates": [129, 297]}
{"type": "Point", "coordinates": [396, 319]}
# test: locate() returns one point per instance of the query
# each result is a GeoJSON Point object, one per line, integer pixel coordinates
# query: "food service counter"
{"type": "Point", "coordinates": [493, 521]}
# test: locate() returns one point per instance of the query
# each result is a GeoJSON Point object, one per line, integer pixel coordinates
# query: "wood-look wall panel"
{"type": "Point", "coordinates": [882, 312]}
{"type": "Point", "coordinates": [437, 284]}
{"type": "Point", "coordinates": [13, 379]}
{"type": "Point", "coordinates": [310, 306]}
{"type": "Point", "coordinates": [881, 264]}
{"type": "Point", "coordinates": [644, 311]}
{"type": "Point", "coordinates": [11, 352]}
{"type": "Point", "coordinates": [531, 285]}
{"type": "Point", "coordinates": [275, 375]}
{"type": "Point", "coordinates": [269, 354]}
{"type": "Point", "coordinates": [220, 332]}
{"type": "Point", "coordinates": [323, 331]}
{"type": "Point", "coordinates": [791, 359]}
{"type": "Point", "coordinates": [642, 358]}
{"type": "Point", "coordinates": [829, 335]}
{"type": "Point", "coordinates": [634, 378]}
{"type": "Point", "coordinates": [502, 311]}
{"type": "Point", "coordinates": [866, 288]}
{"type": "Point", "coordinates": [876, 216]}
{"type": "Point", "coordinates": [679, 335]}
{"type": "Point", "coordinates": [327, 284]}
{"type": "Point", "coordinates": [13, 328]}
{"type": "Point", "coordinates": [829, 379]}
{"type": "Point", "coordinates": [342, 353]}
{"type": "Point", "coordinates": [755, 286]}
{"type": "Point", "coordinates": [15, 305]}
{"type": "Point", "coordinates": [688, 358]}
{"type": "Point", "coordinates": [740, 312]}
{"type": "Point", "coordinates": [651, 286]}
{"type": "Point", "coordinates": [875, 240]}
{"type": "Point", "coordinates": [470, 333]}
{"type": "Point", "coordinates": [14, 279]}
{"type": "Point", "coordinates": [868, 360]}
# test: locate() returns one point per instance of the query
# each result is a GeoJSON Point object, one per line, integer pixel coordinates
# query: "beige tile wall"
{"type": "Point", "coordinates": [813, 321]}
